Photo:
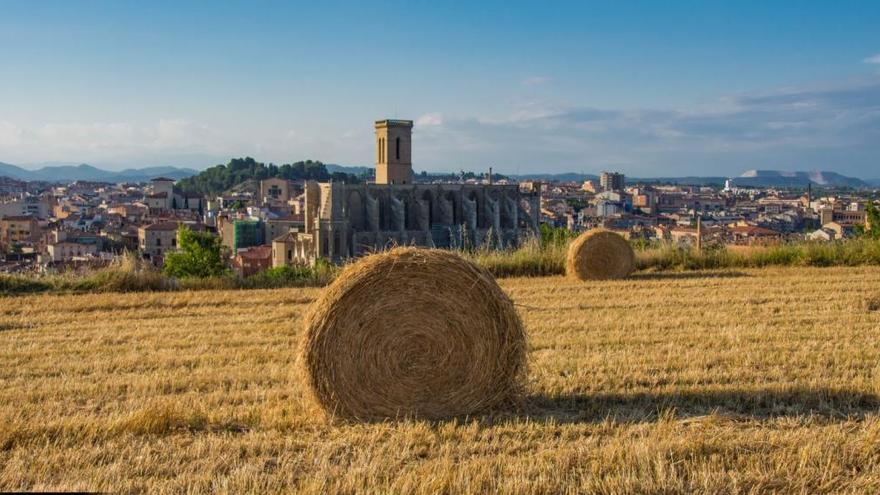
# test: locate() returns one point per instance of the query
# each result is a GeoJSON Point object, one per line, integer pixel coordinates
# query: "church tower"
{"type": "Point", "coordinates": [394, 151]}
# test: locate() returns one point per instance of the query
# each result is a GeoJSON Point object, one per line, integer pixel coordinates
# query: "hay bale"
{"type": "Point", "coordinates": [600, 255]}
{"type": "Point", "coordinates": [412, 333]}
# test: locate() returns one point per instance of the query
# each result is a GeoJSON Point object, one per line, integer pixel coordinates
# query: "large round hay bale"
{"type": "Point", "coordinates": [412, 333]}
{"type": "Point", "coordinates": [600, 255]}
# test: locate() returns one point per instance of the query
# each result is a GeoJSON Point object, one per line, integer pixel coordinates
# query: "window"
{"type": "Point", "coordinates": [397, 146]}
{"type": "Point", "coordinates": [174, 242]}
{"type": "Point", "coordinates": [158, 241]}
{"type": "Point", "coordinates": [289, 255]}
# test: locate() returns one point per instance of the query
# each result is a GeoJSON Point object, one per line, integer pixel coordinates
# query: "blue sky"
{"type": "Point", "coordinates": [649, 88]}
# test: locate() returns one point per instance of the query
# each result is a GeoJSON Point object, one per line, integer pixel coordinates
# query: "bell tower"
{"type": "Point", "coordinates": [394, 151]}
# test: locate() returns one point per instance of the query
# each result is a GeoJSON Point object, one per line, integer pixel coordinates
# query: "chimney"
{"type": "Point", "coordinates": [490, 176]}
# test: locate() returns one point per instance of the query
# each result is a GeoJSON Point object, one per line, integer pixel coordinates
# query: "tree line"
{"type": "Point", "coordinates": [220, 178]}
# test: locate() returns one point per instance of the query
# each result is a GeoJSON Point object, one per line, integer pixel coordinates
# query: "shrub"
{"type": "Point", "coordinates": [320, 274]}
{"type": "Point", "coordinates": [12, 284]}
{"type": "Point", "coordinates": [531, 259]}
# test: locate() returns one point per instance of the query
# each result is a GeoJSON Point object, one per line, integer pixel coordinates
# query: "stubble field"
{"type": "Point", "coordinates": [735, 381]}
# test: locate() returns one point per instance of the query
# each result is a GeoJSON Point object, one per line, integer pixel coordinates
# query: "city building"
{"type": "Point", "coordinates": [848, 217]}
{"type": "Point", "coordinates": [156, 239]}
{"type": "Point", "coordinates": [612, 181]}
{"type": "Point", "coordinates": [163, 196]}
{"type": "Point", "coordinates": [394, 151]}
{"type": "Point", "coordinates": [348, 220]}
{"type": "Point", "coordinates": [252, 260]}
{"type": "Point", "coordinates": [276, 191]}
{"type": "Point", "coordinates": [18, 230]}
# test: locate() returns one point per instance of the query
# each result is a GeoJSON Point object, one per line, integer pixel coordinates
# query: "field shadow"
{"type": "Point", "coordinates": [686, 275]}
{"type": "Point", "coordinates": [741, 404]}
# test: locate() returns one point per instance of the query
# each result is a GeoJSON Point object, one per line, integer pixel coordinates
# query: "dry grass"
{"type": "Point", "coordinates": [721, 382]}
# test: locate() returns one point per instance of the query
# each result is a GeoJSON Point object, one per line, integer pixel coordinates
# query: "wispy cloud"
{"type": "Point", "coordinates": [873, 60]}
{"type": "Point", "coordinates": [536, 80]}
{"type": "Point", "coordinates": [430, 120]}
{"type": "Point", "coordinates": [112, 141]}
{"type": "Point", "coordinates": [834, 126]}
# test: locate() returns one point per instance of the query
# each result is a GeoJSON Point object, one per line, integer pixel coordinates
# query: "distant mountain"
{"type": "Point", "coordinates": [776, 178]}
{"type": "Point", "coordinates": [753, 178]}
{"type": "Point", "coordinates": [69, 173]}
{"type": "Point", "coordinates": [873, 182]}
{"type": "Point", "coordinates": [682, 181]}
{"type": "Point", "coordinates": [566, 177]}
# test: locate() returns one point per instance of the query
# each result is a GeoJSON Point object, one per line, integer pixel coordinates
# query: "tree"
{"type": "Point", "coordinates": [217, 179]}
{"type": "Point", "coordinates": [199, 254]}
{"type": "Point", "coordinates": [872, 229]}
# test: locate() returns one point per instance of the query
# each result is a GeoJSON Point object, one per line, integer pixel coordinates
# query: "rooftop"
{"type": "Point", "coordinates": [255, 252]}
{"type": "Point", "coordinates": [18, 218]}
{"type": "Point", "coordinates": [162, 226]}
{"type": "Point", "coordinates": [394, 122]}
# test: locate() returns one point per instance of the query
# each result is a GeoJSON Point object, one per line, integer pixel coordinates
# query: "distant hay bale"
{"type": "Point", "coordinates": [600, 255]}
{"type": "Point", "coordinates": [872, 303]}
{"type": "Point", "coordinates": [412, 333]}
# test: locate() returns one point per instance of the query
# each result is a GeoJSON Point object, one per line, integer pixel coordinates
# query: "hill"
{"type": "Point", "coordinates": [221, 178]}
{"type": "Point", "coordinates": [70, 173]}
{"type": "Point", "coordinates": [760, 380]}
{"type": "Point", "coordinates": [776, 178]}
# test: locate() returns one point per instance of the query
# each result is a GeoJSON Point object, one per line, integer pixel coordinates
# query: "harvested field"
{"type": "Point", "coordinates": [736, 381]}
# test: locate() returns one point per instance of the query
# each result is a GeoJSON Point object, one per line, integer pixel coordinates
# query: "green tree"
{"type": "Point", "coordinates": [872, 230]}
{"type": "Point", "coordinates": [198, 255]}
{"type": "Point", "coordinates": [217, 179]}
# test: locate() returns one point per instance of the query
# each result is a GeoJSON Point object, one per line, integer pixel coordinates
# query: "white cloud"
{"type": "Point", "coordinates": [873, 60]}
{"type": "Point", "coordinates": [104, 142]}
{"type": "Point", "coordinates": [835, 126]}
{"type": "Point", "coordinates": [10, 134]}
{"type": "Point", "coordinates": [536, 80]}
{"type": "Point", "coordinates": [430, 120]}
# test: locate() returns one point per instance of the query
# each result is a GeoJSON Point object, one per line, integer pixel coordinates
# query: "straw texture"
{"type": "Point", "coordinates": [412, 333]}
{"type": "Point", "coordinates": [600, 255]}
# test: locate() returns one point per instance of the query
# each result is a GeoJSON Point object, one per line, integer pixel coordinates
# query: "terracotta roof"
{"type": "Point", "coordinates": [256, 252]}
{"type": "Point", "coordinates": [289, 218]}
{"type": "Point", "coordinates": [289, 236]}
{"type": "Point", "coordinates": [162, 226]}
{"type": "Point", "coordinates": [19, 218]}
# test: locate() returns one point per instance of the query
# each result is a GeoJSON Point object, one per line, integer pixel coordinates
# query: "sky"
{"type": "Point", "coordinates": [647, 88]}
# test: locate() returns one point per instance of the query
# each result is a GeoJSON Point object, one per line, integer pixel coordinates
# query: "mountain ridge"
{"type": "Point", "coordinates": [83, 171]}
{"type": "Point", "coordinates": [753, 177]}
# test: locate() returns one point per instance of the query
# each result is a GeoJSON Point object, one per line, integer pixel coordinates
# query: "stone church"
{"type": "Point", "coordinates": [348, 220]}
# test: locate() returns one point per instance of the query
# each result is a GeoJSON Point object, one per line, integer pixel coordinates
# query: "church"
{"type": "Point", "coordinates": [349, 220]}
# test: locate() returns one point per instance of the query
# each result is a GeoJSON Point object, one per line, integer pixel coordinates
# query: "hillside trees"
{"type": "Point", "coordinates": [219, 178]}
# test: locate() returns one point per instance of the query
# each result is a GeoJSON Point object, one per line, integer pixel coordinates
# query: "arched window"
{"type": "Point", "coordinates": [397, 147]}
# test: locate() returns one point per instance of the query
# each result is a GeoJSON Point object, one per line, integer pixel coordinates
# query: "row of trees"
{"type": "Point", "coordinates": [220, 178]}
